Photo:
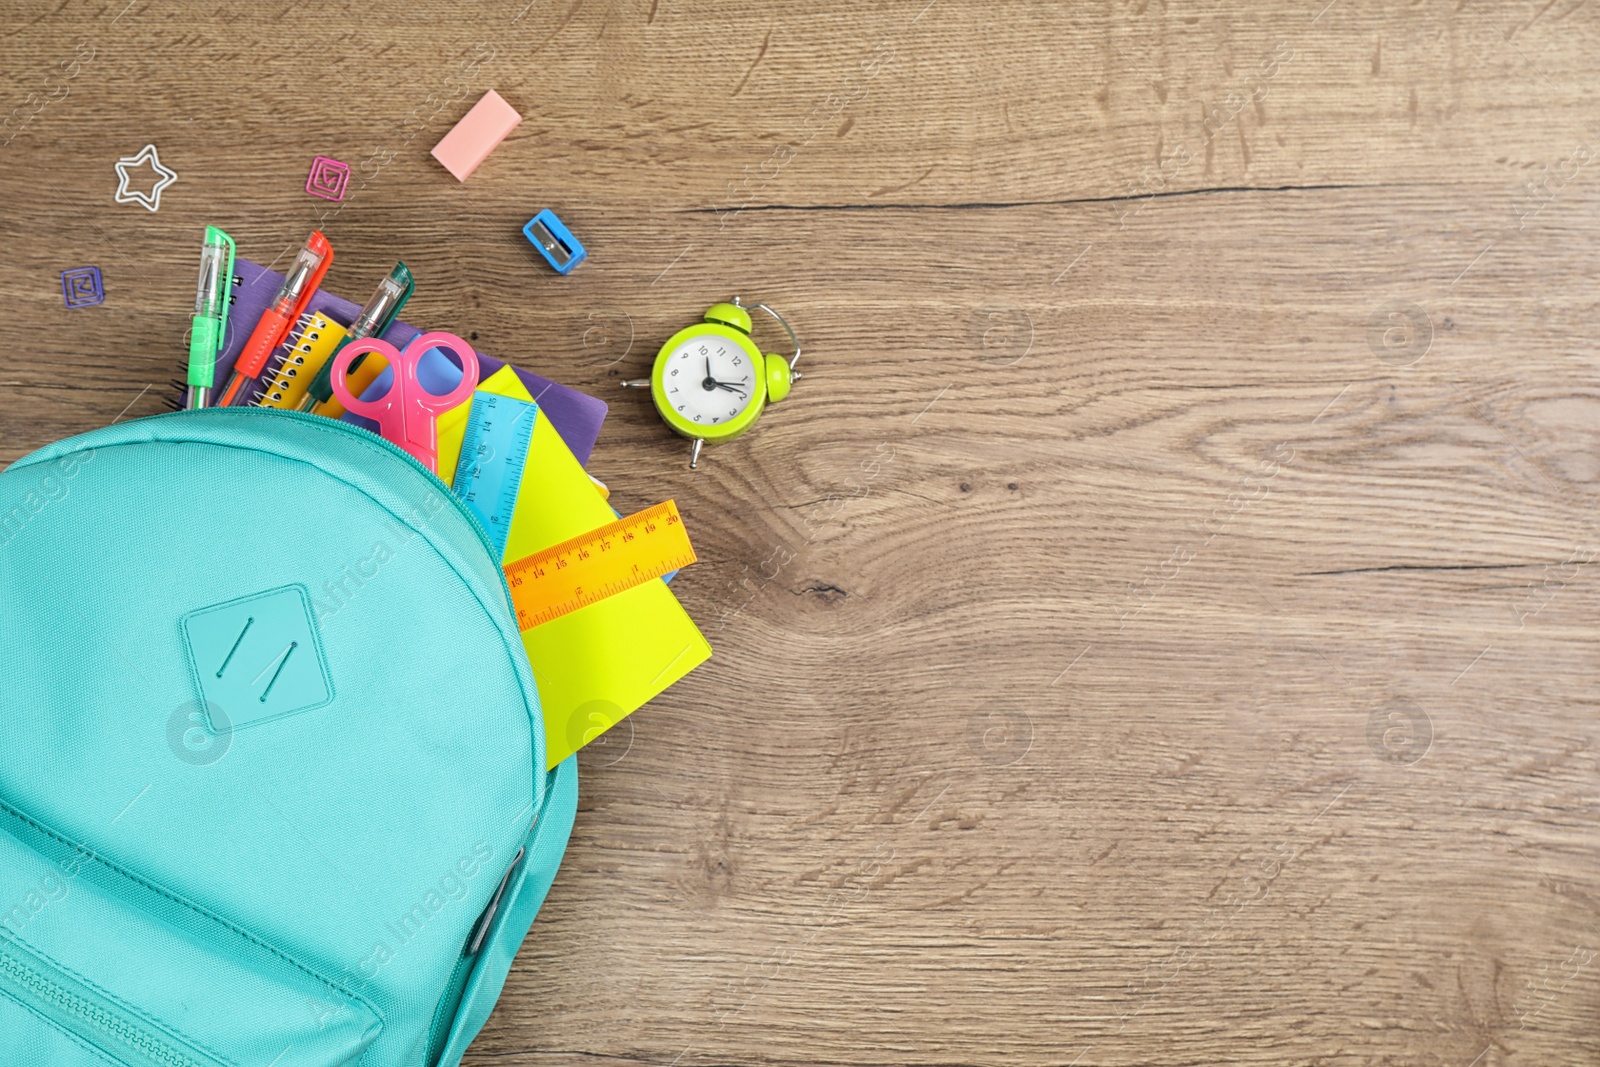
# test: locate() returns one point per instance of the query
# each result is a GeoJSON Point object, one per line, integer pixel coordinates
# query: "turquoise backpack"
{"type": "Point", "coordinates": [272, 786]}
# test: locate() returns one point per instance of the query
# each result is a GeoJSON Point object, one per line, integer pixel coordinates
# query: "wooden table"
{"type": "Point", "coordinates": [1159, 629]}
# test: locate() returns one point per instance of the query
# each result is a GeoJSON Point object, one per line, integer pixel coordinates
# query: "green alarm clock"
{"type": "Point", "coordinates": [711, 382]}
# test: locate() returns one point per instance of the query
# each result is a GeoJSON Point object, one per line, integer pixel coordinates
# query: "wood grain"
{"type": "Point", "coordinates": [1158, 629]}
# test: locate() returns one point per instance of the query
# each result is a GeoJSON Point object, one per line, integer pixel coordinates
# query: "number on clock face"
{"type": "Point", "coordinates": [709, 380]}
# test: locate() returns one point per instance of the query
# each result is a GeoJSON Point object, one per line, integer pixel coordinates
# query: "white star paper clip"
{"type": "Point", "coordinates": [152, 199]}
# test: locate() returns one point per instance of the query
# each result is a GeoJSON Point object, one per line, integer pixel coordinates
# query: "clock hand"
{"type": "Point", "coordinates": [709, 383]}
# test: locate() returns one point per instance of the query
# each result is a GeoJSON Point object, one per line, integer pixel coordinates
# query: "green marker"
{"type": "Point", "coordinates": [391, 295]}
{"type": "Point", "coordinates": [211, 299]}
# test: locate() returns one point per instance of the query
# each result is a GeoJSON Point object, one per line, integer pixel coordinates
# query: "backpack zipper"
{"type": "Point", "coordinates": [444, 1015]}
{"type": "Point", "coordinates": [84, 1012]}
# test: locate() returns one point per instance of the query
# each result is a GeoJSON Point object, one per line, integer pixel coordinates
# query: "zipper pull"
{"type": "Point", "coordinates": [481, 931]}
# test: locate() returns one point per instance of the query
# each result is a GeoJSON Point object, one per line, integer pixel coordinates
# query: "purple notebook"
{"type": "Point", "coordinates": [575, 416]}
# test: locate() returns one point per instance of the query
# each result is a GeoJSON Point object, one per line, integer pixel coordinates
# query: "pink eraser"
{"type": "Point", "coordinates": [474, 137]}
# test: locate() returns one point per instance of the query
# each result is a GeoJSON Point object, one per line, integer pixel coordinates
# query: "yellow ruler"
{"type": "Point", "coordinates": [603, 562]}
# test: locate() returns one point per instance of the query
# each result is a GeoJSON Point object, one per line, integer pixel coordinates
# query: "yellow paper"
{"type": "Point", "coordinates": [600, 663]}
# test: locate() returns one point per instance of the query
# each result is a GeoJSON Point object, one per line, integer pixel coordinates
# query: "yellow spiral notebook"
{"type": "Point", "coordinates": [299, 359]}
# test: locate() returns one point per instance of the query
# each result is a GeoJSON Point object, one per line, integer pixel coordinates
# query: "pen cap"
{"type": "Point", "coordinates": [216, 274]}
{"type": "Point", "coordinates": [306, 268]}
{"type": "Point", "coordinates": [387, 300]}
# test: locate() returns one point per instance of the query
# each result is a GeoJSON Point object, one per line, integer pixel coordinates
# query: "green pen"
{"type": "Point", "coordinates": [211, 299]}
{"type": "Point", "coordinates": [390, 296]}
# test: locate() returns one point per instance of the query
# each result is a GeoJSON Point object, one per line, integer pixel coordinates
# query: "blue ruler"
{"type": "Point", "coordinates": [493, 454]}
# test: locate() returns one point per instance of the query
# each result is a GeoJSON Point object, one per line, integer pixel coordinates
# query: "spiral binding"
{"type": "Point", "coordinates": [289, 358]}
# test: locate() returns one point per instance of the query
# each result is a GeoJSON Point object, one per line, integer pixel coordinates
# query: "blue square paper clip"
{"type": "Point", "coordinates": [554, 241]}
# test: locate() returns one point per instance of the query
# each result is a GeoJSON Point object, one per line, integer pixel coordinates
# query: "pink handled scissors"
{"type": "Point", "coordinates": [407, 414]}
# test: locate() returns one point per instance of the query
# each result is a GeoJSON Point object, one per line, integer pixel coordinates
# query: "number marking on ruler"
{"type": "Point", "coordinates": [603, 562]}
{"type": "Point", "coordinates": [493, 454]}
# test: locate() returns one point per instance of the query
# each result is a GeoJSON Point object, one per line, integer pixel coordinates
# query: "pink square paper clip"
{"type": "Point", "coordinates": [475, 136]}
{"type": "Point", "coordinates": [328, 178]}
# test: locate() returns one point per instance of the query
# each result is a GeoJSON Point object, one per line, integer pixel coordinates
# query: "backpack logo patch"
{"type": "Point", "coordinates": [259, 657]}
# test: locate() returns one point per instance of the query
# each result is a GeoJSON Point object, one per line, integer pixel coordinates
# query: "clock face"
{"type": "Point", "coordinates": [708, 380]}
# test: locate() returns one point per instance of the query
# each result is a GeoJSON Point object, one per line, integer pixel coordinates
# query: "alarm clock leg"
{"type": "Point", "coordinates": [694, 453]}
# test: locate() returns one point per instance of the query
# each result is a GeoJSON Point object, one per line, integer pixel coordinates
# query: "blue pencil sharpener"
{"type": "Point", "coordinates": [554, 241]}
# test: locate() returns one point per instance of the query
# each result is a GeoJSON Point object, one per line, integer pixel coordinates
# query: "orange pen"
{"type": "Point", "coordinates": [299, 285]}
